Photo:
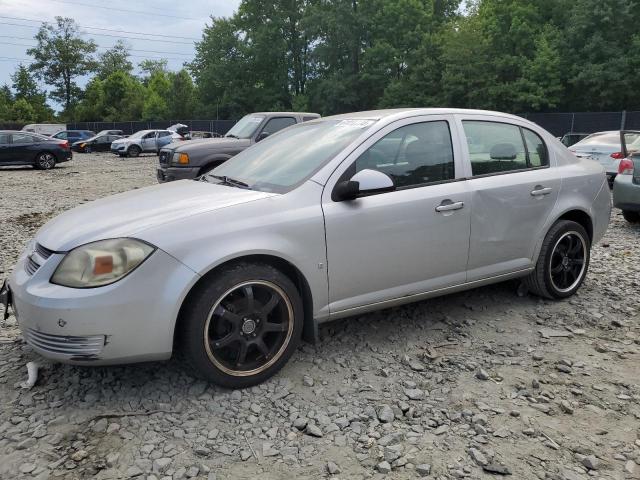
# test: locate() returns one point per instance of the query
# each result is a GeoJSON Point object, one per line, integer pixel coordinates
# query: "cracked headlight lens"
{"type": "Point", "coordinates": [101, 263]}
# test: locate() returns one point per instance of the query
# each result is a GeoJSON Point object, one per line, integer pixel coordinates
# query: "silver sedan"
{"type": "Point", "coordinates": [326, 219]}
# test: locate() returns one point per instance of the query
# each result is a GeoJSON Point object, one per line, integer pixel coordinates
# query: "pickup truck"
{"type": "Point", "coordinates": [194, 158]}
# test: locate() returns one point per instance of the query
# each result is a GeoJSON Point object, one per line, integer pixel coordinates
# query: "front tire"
{"type": "Point", "coordinates": [134, 151]}
{"type": "Point", "coordinates": [631, 217]}
{"type": "Point", "coordinates": [240, 329]}
{"type": "Point", "coordinates": [563, 262]}
{"type": "Point", "coordinates": [45, 161]}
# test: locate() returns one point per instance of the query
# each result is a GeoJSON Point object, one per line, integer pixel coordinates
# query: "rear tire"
{"type": "Point", "coordinates": [631, 217]}
{"type": "Point", "coordinates": [241, 328]}
{"type": "Point", "coordinates": [45, 161]}
{"type": "Point", "coordinates": [134, 151]}
{"type": "Point", "coordinates": [563, 262]}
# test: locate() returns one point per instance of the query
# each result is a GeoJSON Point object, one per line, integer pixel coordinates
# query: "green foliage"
{"type": "Point", "coordinates": [22, 111]}
{"type": "Point", "coordinates": [27, 89]}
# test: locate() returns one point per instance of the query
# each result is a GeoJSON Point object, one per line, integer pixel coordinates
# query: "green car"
{"type": "Point", "coordinates": [626, 187]}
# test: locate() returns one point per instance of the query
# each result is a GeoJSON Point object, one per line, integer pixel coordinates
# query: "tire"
{"type": "Point", "coordinates": [134, 151]}
{"type": "Point", "coordinates": [631, 217]}
{"type": "Point", "coordinates": [552, 282]}
{"type": "Point", "coordinates": [45, 161]}
{"type": "Point", "coordinates": [227, 316]}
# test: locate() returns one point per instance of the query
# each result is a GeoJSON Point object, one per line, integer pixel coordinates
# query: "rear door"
{"type": "Point", "coordinates": [514, 189]}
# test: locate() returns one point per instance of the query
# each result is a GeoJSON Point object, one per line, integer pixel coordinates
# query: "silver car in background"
{"type": "Point", "coordinates": [325, 219]}
{"type": "Point", "coordinates": [605, 148]}
{"type": "Point", "coordinates": [626, 188]}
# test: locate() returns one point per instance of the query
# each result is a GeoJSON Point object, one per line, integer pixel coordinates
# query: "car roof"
{"type": "Point", "coordinates": [285, 113]}
{"type": "Point", "coordinates": [402, 112]}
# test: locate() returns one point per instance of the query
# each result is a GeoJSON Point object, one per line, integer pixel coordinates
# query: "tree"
{"type": "Point", "coordinates": [149, 67]}
{"type": "Point", "coordinates": [61, 56]}
{"type": "Point", "coordinates": [26, 88]}
{"type": "Point", "coordinates": [116, 59]}
{"type": "Point", "coordinates": [181, 96]}
{"type": "Point", "coordinates": [6, 101]}
{"type": "Point", "coordinates": [22, 111]}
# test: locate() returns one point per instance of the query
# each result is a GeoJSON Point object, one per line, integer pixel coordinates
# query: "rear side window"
{"type": "Point", "coordinates": [61, 135]}
{"type": "Point", "coordinates": [500, 147]}
{"type": "Point", "coordinates": [536, 149]}
{"type": "Point", "coordinates": [276, 124]}
{"type": "Point", "coordinates": [23, 138]}
{"type": "Point", "coordinates": [412, 155]}
{"type": "Point", "coordinates": [4, 138]}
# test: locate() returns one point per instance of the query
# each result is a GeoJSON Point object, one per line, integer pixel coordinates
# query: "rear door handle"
{"type": "Point", "coordinates": [448, 205]}
{"type": "Point", "coordinates": [539, 191]}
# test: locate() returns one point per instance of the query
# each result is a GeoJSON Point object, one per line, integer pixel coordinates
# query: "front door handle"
{"type": "Point", "coordinates": [539, 191]}
{"type": "Point", "coordinates": [448, 205]}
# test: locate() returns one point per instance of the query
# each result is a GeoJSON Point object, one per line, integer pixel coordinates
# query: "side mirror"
{"type": "Point", "coordinates": [262, 136]}
{"type": "Point", "coordinates": [365, 182]}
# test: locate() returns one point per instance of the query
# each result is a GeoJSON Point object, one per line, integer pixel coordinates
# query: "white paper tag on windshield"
{"type": "Point", "coordinates": [255, 119]}
{"type": "Point", "coordinates": [353, 123]}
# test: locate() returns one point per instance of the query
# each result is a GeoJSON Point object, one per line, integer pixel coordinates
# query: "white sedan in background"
{"type": "Point", "coordinates": [325, 219]}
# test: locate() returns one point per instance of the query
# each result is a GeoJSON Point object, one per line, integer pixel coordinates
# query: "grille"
{"type": "Point", "coordinates": [65, 345]}
{"type": "Point", "coordinates": [31, 266]}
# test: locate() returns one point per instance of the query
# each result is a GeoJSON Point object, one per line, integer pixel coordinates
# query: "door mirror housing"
{"type": "Point", "coordinates": [262, 136]}
{"type": "Point", "coordinates": [365, 182]}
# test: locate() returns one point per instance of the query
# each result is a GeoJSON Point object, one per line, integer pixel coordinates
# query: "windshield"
{"type": "Point", "coordinates": [245, 127]}
{"type": "Point", "coordinates": [283, 161]}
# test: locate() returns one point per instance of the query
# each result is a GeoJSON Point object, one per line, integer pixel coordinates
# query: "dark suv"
{"type": "Point", "coordinates": [193, 158]}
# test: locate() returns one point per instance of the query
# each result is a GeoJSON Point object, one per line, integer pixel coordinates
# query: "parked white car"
{"type": "Point", "coordinates": [325, 219]}
{"type": "Point", "coordinates": [47, 129]}
{"type": "Point", "coordinates": [605, 148]}
{"type": "Point", "coordinates": [144, 141]}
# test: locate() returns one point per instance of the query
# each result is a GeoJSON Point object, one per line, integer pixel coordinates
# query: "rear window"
{"type": "Point", "coordinates": [600, 138]}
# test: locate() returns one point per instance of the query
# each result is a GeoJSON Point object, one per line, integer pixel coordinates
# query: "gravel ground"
{"type": "Point", "coordinates": [474, 385]}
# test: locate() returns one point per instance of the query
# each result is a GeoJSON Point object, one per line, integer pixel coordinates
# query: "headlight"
{"type": "Point", "coordinates": [82, 145]}
{"type": "Point", "coordinates": [101, 263]}
{"type": "Point", "coordinates": [180, 159]}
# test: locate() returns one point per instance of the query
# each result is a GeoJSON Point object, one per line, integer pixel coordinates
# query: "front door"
{"type": "Point", "coordinates": [513, 194]}
{"type": "Point", "coordinates": [149, 142]}
{"type": "Point", "coordinates": [405, 242]}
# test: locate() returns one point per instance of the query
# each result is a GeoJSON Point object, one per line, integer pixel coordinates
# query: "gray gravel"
{"type": "Point", "coordinates": [480, 384]}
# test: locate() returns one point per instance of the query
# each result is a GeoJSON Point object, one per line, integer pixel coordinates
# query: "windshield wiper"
{"type": "Point", "coordinates": [231, 135]}
{"type": "Point", "coordinates": [230, 181]}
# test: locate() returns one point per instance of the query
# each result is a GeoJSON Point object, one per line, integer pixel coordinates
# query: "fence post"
{"type": "Point", "coordinates": [573, 119]}
{"type": "Point", "coordinates": [623, 120]}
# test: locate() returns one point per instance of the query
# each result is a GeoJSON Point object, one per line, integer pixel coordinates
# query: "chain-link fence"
{"type": "Point", "coordinates": [217, 126]}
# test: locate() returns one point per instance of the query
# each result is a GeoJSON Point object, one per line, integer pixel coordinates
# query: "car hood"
{"type": "Point", "coordinates": [210, 144]}
{"type": "Point", "coordinates": [122, 140]}
{"type": "Point", "coordinates": [127, 214]}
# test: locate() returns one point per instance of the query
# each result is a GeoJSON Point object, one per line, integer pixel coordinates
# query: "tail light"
{"type": "Point", "coordinates": [617, 155]}
{"type": "Point", "coordinates": [65, 145]}
{"type": "Point", "coordinates": [625, 167]}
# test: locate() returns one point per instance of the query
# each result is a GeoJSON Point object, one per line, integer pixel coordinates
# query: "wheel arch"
{"type": "Point", "coordinates": [579, 216]}
{"type": "Point", "coordinates": [44, 150]}
{"type": "Point", "coordinates": [310, 332]}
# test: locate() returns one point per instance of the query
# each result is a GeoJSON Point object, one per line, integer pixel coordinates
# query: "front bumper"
{"type": "Point", "coordinates": [129, 321]}
{"type": "Point", "coordinates": [168, 174]}
{"type": "Point", "coordinates": [118, 149]}
{"type": "Point", "coordinates": [626, 193]}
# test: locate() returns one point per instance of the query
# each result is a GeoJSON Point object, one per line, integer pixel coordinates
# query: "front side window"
{"type": "Point", "coordinates": [4, 138]}
{"type": "Point", "coordinates": [412, 155]}
{"type": "Point", "coordinates": [276, 124]}
{"type": "Point", "coordinates": [500, 147]}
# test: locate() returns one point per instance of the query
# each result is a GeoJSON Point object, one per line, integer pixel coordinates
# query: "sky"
{"type": "Point", "coordinates": [151, 27]}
